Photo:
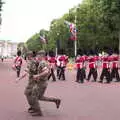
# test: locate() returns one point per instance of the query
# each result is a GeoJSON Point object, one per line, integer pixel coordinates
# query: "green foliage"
{"type": "Point", "coordinates": [98, 25]}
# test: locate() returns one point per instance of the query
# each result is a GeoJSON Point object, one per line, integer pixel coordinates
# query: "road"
{"type": "Point", "coordinates": [88, 101]}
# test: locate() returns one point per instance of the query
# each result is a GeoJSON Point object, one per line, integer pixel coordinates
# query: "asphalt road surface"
{"type": "Point", "coordinates": [88, 101]}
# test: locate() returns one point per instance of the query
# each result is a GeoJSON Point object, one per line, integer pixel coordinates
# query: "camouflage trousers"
{"type": "Point", "coordinates": [34, 93]}
{"type": "Point", "coordinates": [31, 97]}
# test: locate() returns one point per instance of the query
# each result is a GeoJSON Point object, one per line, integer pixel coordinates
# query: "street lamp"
{"type": "Point", "coordinates": [57, 43]}
{"type": "Point", "coordinates": [76, 8]}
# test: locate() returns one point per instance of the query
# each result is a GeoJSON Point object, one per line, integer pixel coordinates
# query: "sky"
{"type": "Point", "coordinates": [23, 18]}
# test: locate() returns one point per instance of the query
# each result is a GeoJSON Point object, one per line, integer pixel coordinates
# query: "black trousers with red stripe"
{"type": "Point", "coordinates": [52, 75]}
{"type": "Point", "coordinates": [115, 74]}
{"type": "Point", "coordinates": [18, 69]}
{"type": "Point", "coordinates": [105, 73]}
{"type": "Point", "coordinates": [62, 73]}
{"type": "Point", "coordinates": [93, 71]}
{"type": "Point", "coordinates": [80, 75]}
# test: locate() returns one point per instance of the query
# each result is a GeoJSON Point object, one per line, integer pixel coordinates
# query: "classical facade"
{"type": "Point", "coordinates": [8, 48]}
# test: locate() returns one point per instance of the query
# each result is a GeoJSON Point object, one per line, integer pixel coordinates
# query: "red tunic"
{"type": "Point", "coordinates": [105, 63]}
{"type": "Point", "coordinates": [79, 62]}
{"type": "Point", "coordinates": [18, 61]}
{"type": "Point", "coordinates": [115, 62]}
{"type": "Point", "coordinates": [52, 61]}
{"type": "Point", "coordinates": [92, 61]}
{"type": "Point", "coordinates": [62, 60]}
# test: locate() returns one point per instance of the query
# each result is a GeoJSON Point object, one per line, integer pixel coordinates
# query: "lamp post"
{"type": "Point", "coordinates": [75, 43]}
{"type": "Point", "coordinates": [57, 42]}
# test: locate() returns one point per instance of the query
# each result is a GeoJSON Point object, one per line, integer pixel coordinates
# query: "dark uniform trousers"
{"type": "Point", "coordinates": [84, 73]}
{"type": "Point", "coordinates": [62, 73]}
{"type": "Point", "coordinates": [18, 68]}
{"type": "Point", "coordinates": [58, 71]}
{"type": "Point", "coordinates": [80, 75]}
{"type": "Point", "coordinates": [52, 75]}
{"type": "Point", "coordinates": [105, 73]}
{"type": "Point", "coordinates": [93, 71]}
{"type": "Point", "coordinates": [115, 74]}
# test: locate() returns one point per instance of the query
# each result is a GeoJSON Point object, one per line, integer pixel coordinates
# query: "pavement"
{"type": "Point", "coordinates": [88, 101]}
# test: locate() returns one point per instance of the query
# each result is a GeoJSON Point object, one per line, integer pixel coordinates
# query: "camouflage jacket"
{"type": "Point", "coordinates": [32, 68]}
{"type": "Point", "coordinates": [41, 66]}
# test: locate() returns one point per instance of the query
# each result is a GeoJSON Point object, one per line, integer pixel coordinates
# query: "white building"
{"type": "Point", "coordinates": [8, 48]}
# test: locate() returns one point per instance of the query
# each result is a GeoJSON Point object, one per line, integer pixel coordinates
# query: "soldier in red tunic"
{"type": "Point", "coordinates": [114, 71]}
{"type": "Point", "coordinates": [85, 59]}
{"type": "Point", "coordinates": [105, 69]}
{"type": "Point", "coordinates": [80, 69]}
{"type": "Point", "coordinates": [52, 63]}
{"type": "Point", "coordinates": [93, 68]}
{"type": "Point", "coordinates": [63, 61]}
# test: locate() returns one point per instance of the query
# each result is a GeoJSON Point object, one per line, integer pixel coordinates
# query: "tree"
{"type": "Point", "coordinates": [98, 26]}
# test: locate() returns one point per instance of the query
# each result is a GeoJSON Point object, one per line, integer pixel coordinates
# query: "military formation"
{"type": "Point", "coordinates": [41, 68]}
{"type": "Point", "coordinates": [93, 63]}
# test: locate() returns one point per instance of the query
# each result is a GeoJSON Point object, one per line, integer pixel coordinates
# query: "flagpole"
{"type": "Point", "coordinates": [75, 42]}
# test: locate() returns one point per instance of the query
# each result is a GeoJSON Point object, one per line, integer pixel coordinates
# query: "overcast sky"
{"type": "Point", "coordinates": [23, 18]}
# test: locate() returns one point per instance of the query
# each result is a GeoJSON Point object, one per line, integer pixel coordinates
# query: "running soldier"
{"type": "Point", "coordinates": [41, 79]}
{"type": "Point", "coordinates": [31, 70]}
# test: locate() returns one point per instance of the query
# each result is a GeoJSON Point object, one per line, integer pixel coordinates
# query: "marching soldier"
{"type": "Point", "coordinates": [18, 63]}
{"type": "Point", "coordinates": [85, 59]}
{"type": "Point", "coordinates": [93, 69]}
{"type": "Point", "coordinates": [80, 69]}
{"type": "Point", "coordinates": [52, 63]}
{"type": "Point", "coordinates": [63, 61]}
{"type": "Point", "coordinates": [114, 71]}
{"type": "Point", "coordinates": [105, 70]}
{"type": "Point", "coordinates": [58, 65]}
{"type": "Point", "coordinates": [41, 79]}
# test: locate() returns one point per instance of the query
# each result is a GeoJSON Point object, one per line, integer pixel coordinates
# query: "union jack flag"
{"type": "Point", "coordinates": [72, 29]}
{"type": "Point", "coordinates": [43, 39]}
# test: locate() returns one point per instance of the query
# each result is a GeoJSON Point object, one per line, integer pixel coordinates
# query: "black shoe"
{"type": "Point", "coordinates": [107, 82]}
{"type": "Point", "coordinates": [53, 80]}
{"type": "Point", "coordinates": [81, 82]}
{"type": "Point", "coordinates": [93, 80]}
{"type": "Point", "coordinates": [31, 110]}
{"type": "Point", "coordinates": [117, 81]}
{"type": "Point", "coordinates": [100, 81]}
{"type": "Point", "coordinates": [37, 113]}
{"type": "Point", "coordinates": [87, 80]}
{"type": "Point", "coordinates": [58, 103]}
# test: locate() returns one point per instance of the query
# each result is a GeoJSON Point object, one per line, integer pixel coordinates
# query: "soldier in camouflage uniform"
{"type": "Point", "coordinates": [31, 70]}
{"type": "Point", "coordinates": [41, 78]}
